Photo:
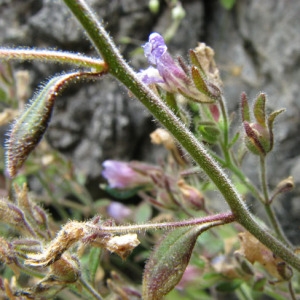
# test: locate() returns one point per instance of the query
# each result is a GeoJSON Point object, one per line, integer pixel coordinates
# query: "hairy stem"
{"type": "Point", "coordinates": [52, 56]}
{"type": "Point", "coordinates": [119, 69]}
{"type": "Point", "coordinates": [223, 217]}
{"type": "Point", "coordinates": [267, 204]}
{"type": "Point", "coordinates": [90, 289]}
{"type": "Point", "coordinates": [225, 127]}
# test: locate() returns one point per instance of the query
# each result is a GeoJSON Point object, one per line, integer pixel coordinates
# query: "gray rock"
{"type": "Point", "coordinates": [261, 38]}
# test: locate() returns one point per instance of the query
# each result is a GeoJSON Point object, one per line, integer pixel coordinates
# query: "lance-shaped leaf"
{"type": "Point", "coordinates": [30, 126]}
{"type": "Point", "coordinates": [259, 109]}
{"type": "Point", "coordinates": [169, 260]}
{"type": "Point", "coordinates": [209, 132]}
{"type": "Point", "coordinates": [195, 62]}
{"type": "Point", "coordinates": [208, 89]}
{"type": "Point", "coordinates": [271, 120]}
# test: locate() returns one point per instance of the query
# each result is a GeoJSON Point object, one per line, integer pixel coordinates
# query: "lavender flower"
{"type": "Point", "coordinates": [121, 175]}
{"type": "Point", "coordinates": [118, 211]}
{"type": "Point", "coordinates": [167, 72]}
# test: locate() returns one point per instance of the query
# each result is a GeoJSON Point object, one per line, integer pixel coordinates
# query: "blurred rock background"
{"type": "Point", "coordinates": [257, 46]}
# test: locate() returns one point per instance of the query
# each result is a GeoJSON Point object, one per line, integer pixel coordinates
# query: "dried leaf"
{"type": "Point", "coordinates": [71, 233]}
{"type": "Point", "coordinates": [122, 245]}
{"type": "Point", "coordinates": [254, 251]}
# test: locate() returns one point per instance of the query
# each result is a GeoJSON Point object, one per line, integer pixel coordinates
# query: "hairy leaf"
{"type": "Point", "coordinates": [208, 89]}
{"type": "Point", "coordinates": [30, 126]}
{"type": "Point", "coordinates": [169, 261]}
{"type": "Point", "coordinates": [259, 109]}
{"type": "Point", "coordinates": [245, 111]}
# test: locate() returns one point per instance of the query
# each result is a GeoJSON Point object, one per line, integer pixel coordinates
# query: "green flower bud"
{"type": "Point", "coordinates": [154, 6]}
{"type": "Point", "coordinates": [259, 137]}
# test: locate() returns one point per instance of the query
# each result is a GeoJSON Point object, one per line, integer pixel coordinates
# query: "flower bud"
{"type": "Point", "coordinates": [118, 211]}
{"type": "Point", "coordinates": [215, 112]}
{"type": "Point", "coordinates": [14, 216]}
{"type": "Point", "coordinates": [162, 136]}
{"type": "Point", "coordinates": [166, 199]}
{"type": "Point", "coordinates": [284, 271]}
{"type": "Point", "coordinates": [154, 6]}
{"type": "Point", "coordinates": [259, 134]}
{"type": "Point", "coordinates": [178, 13]}
{"type": "Point", "coordinates": [65, 270]}
{"type": "Point", "coordinates": [7, 254]}
{"type": "Point", "coordinates": [122, 175]}
{"type": "Point", "coordinates": [283, 186]}
{"type": "Point", "coordinates": [191, 196]}
{"type": "Point", "coordinates": [202, 57]}
{"type": "Point", "coordinates": [257, 138]}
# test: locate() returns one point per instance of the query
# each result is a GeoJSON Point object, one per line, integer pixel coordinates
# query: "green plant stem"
{"type": "Point", "coordinates": [228, 159]}
{"type": "Point", "coordinates": [267, 204]}
{"type": "Point", "coordinates": [263, 174]}
{"type": "Point", "coordinates": [119, 69]}
{"type": "Point", "coordinates": [291, 290]}
{"type": "Point", "coordinates": [52, 56]}
{"type": "Point", "coordinates": [29, 271]}
{"type": "Point", "coordinates": [242, 293]}
{"type": "Point", "coordinates": [89, 288]}
{"type": "Point", "coordinates": [225, 127]}
{"type": "Point", "coordinates": [240, 175]}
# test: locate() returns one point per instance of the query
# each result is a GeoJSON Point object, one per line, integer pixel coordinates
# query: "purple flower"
{"type": "Point", "coordinates": [118, 211]}
{"type": "Point", "coordinates": [167, 71]}
{"type": "Point", "coordinates": [121, 175]}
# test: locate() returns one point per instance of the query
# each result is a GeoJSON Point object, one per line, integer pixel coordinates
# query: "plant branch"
{"type": "Point", "coordinates": [119, 69]}
{"type": "Point", "coordinates": [52, 56]}
{"type": "Point", "coordinates": [224, 218]}
{"type": "Point", "coordinates": [89, 288]}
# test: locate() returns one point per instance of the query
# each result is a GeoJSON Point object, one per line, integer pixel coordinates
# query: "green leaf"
{"type": "Point", "coordinates": [195, 62]}
{"type": "Point", "coordinates": [171, 102]}
{"type": "Point", "coordinates": [259, 284]}
{"type": "Point", "coordinates": [234, 140]}
{"type": "Point", "coordinates": [122, 194]}
{"type": "Point", "coordinates": [94, 261]}
{"type": "Point", "coordinates": [209, 90]}
{"type": "Point", "coordinates": [275, 295]}
{"type": "Point", "coordinates": [3, 95]}
{"type": "Point", "coordinates": [271, 120]}
{"type": "Point", "coordinates": [229, 286]}
{"type": "Point", "coordinates": [143, 213]}
{"type": "Point", "coordinates": [273, 116]}
{"type": "Point", "coordinates": [31, 125]}
{"type": "Point", "coordinates": [209, 133]}
{"type": "Point", "coordinates": [169, 261]}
